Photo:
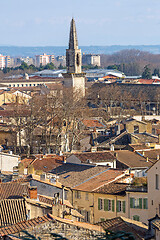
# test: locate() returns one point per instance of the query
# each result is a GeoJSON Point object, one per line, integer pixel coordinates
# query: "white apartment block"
{"type": "Point", "coordinates": [91, 59]}
{"type": "Point", "coordinates": [44, 59]}
{"type": "Point", "coordinates": [5, 61]}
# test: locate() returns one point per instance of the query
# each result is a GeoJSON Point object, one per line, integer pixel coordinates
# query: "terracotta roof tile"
{"type": "Point", "coordinates": [89, 123]}
{"type": "Point", "coordinates": [117, 224]}
{"type": "Point", "coordinates": [47, 163]}
{"type": "Point", "coordinates": [99, 180]}
{"type": "Point", "coordinates": [71, 175]}
{"type": "Point", "coordinates": [152, 154]}
{"type": "Point", "coordinates": [95, 156]}
{"type": "Point", "coordinates": [20, 226]}
{"type": "Point", "coordinates": [132, 159]}
{"type": "Point", "coordinates": [12, 189]}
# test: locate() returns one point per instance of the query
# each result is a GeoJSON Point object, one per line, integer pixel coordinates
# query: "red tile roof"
{"type": "Point", "coordinates": [47, 163]}
{"type": "Point", "coordinates": [99, 180]}
{"type": "Point", "coordinates": [12, 189]}
{"type": "Point", "coordinates": [132, 159]}
{"type": "Point", "coordinates": [118, 224]}
{"type": "Point", "coordinates": [95, 156]}
{"type": "Point", "coordinates": [89, 123]}
{"type": "Point", "coordinates": [146, 81]}
{"type": "Point", "coordinates": [20, 226]}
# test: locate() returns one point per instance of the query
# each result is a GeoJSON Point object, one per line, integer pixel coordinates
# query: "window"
{"type": "Point", "coordinates": [121, 206]}
{"type": "Point", "coordinates": [157, 181]}
{"type": "Point", "coordinates": [108, 205]}
{"type": "Point", "coordinates": [87, 196]}
{"type": "Point", "coordinates": [77, 194]}
{"type": "Point", "coordinates": [136, 203]}
{"type": "Point", "coordinates": [136, 218]}
{"type": "Point", "coordinates": [78, 62]}
{"type": "Point", "coordinates": [100, 204]}
{"type": "Point", "coordinates": [87, 216]}
{"type": "Point", "coordinates": [66, 195]}
{"type": "Point", "coordinates": [136, 129]}
{"type": "Point", "coordinates": [153, 131]}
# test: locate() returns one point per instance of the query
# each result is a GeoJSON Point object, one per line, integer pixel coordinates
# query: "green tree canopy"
{"type": "Point", "coordinates": [146, 73]}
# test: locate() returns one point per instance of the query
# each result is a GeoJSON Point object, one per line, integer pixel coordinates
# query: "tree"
{"type": "Point", "coordinates": [146, 73]}
{"type": "Point", "coordinates": [156, 72]}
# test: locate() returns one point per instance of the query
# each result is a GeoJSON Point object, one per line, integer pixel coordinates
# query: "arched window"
{"type": "Point", "coordinates": [78, 59]}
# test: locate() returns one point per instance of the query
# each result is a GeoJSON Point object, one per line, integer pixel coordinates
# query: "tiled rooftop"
{"type": "Point", "coordinates": [71, 175]}
{"type": "Point", "coordinates": [12, 189]}
{"type": "Point", "coordinates": [99, 180]}
{"type": "Point", "coordinates": [152, 154]}
{"type": "Point", "coordinates": [18, 227]}
{"type": "Point", "coordinates": [95, 156]}
{"type": "Point", "coordinates": [47, 163]}
{"type": "Point", "coordinates": [91, 123]}
{"type": "Point", "coordinates": [131, 159]}
{"type": "Point", "coordinates": [12, 211]}
{"type": "Point", "coordinates": [121, 224]}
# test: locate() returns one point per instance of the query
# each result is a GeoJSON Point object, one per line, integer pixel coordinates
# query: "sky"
{"type": "Point", "coordinates": [98, 22]}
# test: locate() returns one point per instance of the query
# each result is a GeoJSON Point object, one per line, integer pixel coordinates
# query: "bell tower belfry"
{"type": "Point", "coordinates": [74, 76]}
{"type": "Point", "coordinates": [73, 54]}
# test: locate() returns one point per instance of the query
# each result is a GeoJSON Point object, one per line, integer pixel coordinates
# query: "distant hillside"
{"type": "Point", "coordinates": [32, 51]}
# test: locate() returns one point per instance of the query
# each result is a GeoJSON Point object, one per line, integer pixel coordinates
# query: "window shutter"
{"type": "Point", "coordinates": [131, 202]}
{"type": "Point", "coordinates": [124, 206]}
{"type": "Point", "coordinates": [117, 206]}
{"type": "Point", "coordinates": [112, 205]}
{"type": "Point", "coordinates": [105, 204]}
{"type": "Point", "coordinates": [136, 218]}
{"type": "Point", "coordinates": [99, 204]}
{"type": "Point", "coordinates": [140, 203]}
{"type": "Point", "coordinates": [145, 203]}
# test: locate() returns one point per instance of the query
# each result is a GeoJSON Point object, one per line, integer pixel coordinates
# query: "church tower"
{"type": "Point", "coordinates": [73, 54]}
{"type": "Point", "coordinates": [74, 76]}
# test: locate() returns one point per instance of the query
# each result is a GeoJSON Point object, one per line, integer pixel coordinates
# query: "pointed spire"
{"type": "Point", "coordinates": [73, 42]}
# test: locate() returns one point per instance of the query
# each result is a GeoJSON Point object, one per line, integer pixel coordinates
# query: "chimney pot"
{"type": "Point", "coordinates": [33, 192]}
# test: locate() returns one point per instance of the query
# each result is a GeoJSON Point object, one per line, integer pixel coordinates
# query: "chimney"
{"type": "Point", "coordinates": [143, 153]}
{"type": "Point", "coordinates": [147, 159]}
{"type": "Point", "coordinates": [157, 156]}
{"type": "Point", "coordinates": [33, 192]}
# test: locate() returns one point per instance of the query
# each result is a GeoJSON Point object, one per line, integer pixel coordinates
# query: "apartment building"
{"type": "Point", "coordinates": [91, 59]}
{"type": "Point", "coordinates": [5, 61]}
{"type": "Point", "coordinates": [43, 59]}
